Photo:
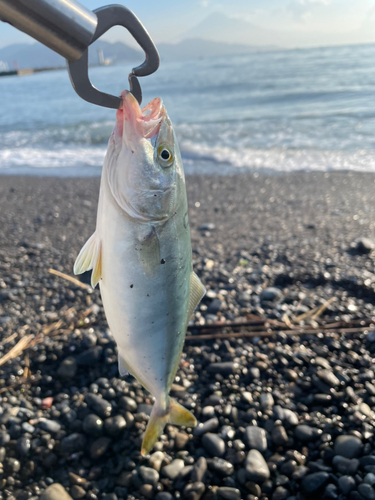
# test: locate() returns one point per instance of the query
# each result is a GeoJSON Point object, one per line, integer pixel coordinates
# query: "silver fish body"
{"type": "Point", "coordinates": [141, 255]}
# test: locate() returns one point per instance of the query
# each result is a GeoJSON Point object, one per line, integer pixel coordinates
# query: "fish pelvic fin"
{"type": "Point", "coordinates": [90, 257]}
{"type": "Point", "coordinates": [197, 292]}
{"type": "Point", "coordinates": [175, 414]}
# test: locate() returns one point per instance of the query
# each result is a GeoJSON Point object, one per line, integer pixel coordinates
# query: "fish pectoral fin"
{"type": "Point", "coordinates": [149, 251]}
{"type": "Point", "coordinates": [175, 414]}
{"type": "Point", "coordinates": [90, 257]}
{"type": "Point", "coordinates": [197, 292]}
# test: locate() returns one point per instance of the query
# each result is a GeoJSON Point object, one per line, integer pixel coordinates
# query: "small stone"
{"type": "Point", "coordinates": [90, 357]}
{"type": "Point", "coordinates": [255, 438]}
{"type": "Point", "coordinates": [23, 445]}
{"type": "Point", "coordinates": [225, 368]}
{"type": "Point", "coordinates": [199, 470]}
{"type": "Point", "coordinates": [194, 491]}
{"type": "Point", "coordinates": [128, 404]}
{"type": "Point", "coordinates": [270, 294]}
{"type": "Point", "coordinates": [213, 444]}
{"type": "Point", "coordinates": [93, 425]}
{"type": "Point", "coordinates": [290, 417]}
{"type": "Point", "coordinates": [50, 426]}
{"type": "Point", "coordinates": [77, 492]}
{"type": "Point", "coordinates": [208, 411]}
{"type": "Point", "coordinates": [73, 443]}
{"type": "Point", "coordinates": [314, 483]}
{"type": "Point", "coordinates": [364, 245]}
{"type": "Point", "coordinates": [114, 425]}
{"type": "Point", "coordinates": [280, 493]}
{"type": "Point", "coordinates": [367, 491]}
{"type": "Point", "coordinates": [155, 460]}
{"type": "Point", "coordinates": [346, 484]}
{"type": "Point", "coordinates": [256, 467]}
{"type": "Point", "coordinates": [266, 401]}
{"type": "Point", "coordinates": [348, 446]}
{"type": "Point", "coordinates": [345, 465]}
{"type": "Point", "coordinates": [208, 226]}
{"type": "Point", "coordinates": [172, 470]}
{"type": "Point", "coordinates": [99, 447]}
{"type": "Point", "coordinates": [148, 475]}
{"type": "Point", "coordinates": [210, 425]}
{"type": "Point", "coordinates": [369, 479]}
{"type": "Point", "coordinates": [181, 440]}
{"type": "Point", "coordinates": [329, 378]}
{"type": "Point", "coordinates": [220, 466]}
{"type": "Point", "coordinates": [215, 306]}
{"type": "Point", "coordinates": [100, 406]}
{"type": "Point", "coordinates": [55, 492]}
{"type": "Point", "coordinates": [305, 433]}
{"type": "Point", "coordinates": [163, 495]}
{"type": "Point", "coordinates": [279, 435]}
{"type": "Point", "coordinates": [146, 491]}
{"type": "Point", "coordinates": [67, 368]}
{"type": "Point", "coordinates": [229, 493]}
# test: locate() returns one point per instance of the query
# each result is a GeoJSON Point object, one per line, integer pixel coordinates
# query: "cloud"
{"type": "Point", "coordinates": [310, 2]}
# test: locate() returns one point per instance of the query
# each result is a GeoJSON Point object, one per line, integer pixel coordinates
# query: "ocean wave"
{"type": "Point", "coordinates": [197, 158]}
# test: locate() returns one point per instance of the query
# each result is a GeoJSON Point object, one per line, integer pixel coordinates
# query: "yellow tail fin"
{"type": "Point", "coordinates": [175, 415]}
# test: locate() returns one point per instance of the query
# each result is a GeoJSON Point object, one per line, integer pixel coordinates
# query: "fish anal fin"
{"type": "Point", "coordinates": [197, 292]}
{"type": "Point", "coordinates": [176, 414]}
{"type": "Point", "coordinates": [90, 257]}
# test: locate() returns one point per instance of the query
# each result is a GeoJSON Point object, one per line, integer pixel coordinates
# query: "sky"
{"type": "Point", "coordinates": [300, 22]}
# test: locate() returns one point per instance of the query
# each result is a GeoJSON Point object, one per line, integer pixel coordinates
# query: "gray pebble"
{"type": "Point", "coordinates": [367, 491]}
{"type": "Point", "coordinates": [329, 378]}
{"type": "Point", "coordinates": [89, 357]}
{"type": "Point", "coordinates": [220, 466]}
{"type": "Point", "coordinates": [93, 425]}
{"type": "Point", "coordinates": [266, 400]}
{"type": "Point", "coordinates": [305, 433]}
{"type": "Point", "coordinates": [99, 405]}
{"type": "Point", "coordinates": [346, 484]}
{"type": "Point", "coordinates": [270, 294]}
{"type": "Point", "coordinates": [55, 492]}
{"type": "Point", "coordinates": [128, 404]}
{"type": "Point", "coordinates": [114, 425]}
{"type": "Point", "coordinates": [50, 426]}
{"type": "Point", "coordinates": [213, 444]}
{"type": "Point", "coordinates": [279, 435]}
{"type": "Point", "coordinates": [314, 483]}
{"type": "Point", "coordinates": [199, 470]}
{"type": "Point", "coordinates": [280, 493]}
{"type": "Point", "coordinates": [348, 446]}
{"type": "Point", "coordinates": [67, 368]}
{"type": "Point", "coordinates": [256, 467]}
{"type": "Point", "coordinates": [194, 491]}
{"type": "Point", "coordinates": [226, 368]}
{"type": "Point", "coordinates": [172, 470]}
{"type": "Point", "coordinates": [229, 493]}
{"type": "Point", "coordinates": [148, 475]}
{"type": "Point", "coordinates": [99, 447]}
{"type": "Point", "coordinates": [210, 425]}
{"type": "Point", "coordinates": [255, 438]}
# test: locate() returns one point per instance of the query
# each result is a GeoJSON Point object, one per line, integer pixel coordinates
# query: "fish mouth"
{"type": "Point", "coordinates": [136, 123]}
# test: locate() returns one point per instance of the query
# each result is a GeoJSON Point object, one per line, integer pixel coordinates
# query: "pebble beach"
{"type": "Point", "coordinates": [278, 364]}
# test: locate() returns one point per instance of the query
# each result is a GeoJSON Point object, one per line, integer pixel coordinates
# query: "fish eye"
{"type": "Point", "coordinates": [165, 156]}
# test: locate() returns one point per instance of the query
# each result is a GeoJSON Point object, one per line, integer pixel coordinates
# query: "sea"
{"type": "Point", "coordinates": [270, 111]}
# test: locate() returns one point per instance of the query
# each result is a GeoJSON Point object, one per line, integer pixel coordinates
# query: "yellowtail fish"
{"type": "Point", "coordinates": [140, 254]}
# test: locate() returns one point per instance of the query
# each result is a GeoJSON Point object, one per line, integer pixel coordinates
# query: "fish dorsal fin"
{"type": "Point", "coordinates": [197, 292]}
{"type": "Point", "coordinates": [90, 257]}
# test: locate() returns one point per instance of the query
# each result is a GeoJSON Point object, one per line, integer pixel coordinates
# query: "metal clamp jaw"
{"type": "Point", "coordinates": [114, 15]}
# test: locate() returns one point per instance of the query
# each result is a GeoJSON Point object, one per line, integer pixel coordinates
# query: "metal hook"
{"type": "Point", "coordinates": [115, 15]}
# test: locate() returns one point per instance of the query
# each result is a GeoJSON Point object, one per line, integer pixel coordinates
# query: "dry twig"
{"type": "Point", "coordinates": [70, 278]}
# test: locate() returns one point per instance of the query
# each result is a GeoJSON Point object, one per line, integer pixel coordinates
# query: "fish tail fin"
{"type": "Point", "coordinates": [175, 414]}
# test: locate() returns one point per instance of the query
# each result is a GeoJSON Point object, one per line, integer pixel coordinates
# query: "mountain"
{"type": "Point", "coordinates": [220, 28]}
{"type": "Point", "coordinates": [197, 48]}
{"type": "Point", "coordinates": [36, 55]}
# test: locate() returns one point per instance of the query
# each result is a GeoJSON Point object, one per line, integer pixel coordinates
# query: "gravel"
{"type": "Point", "coordinates": [281, 416]}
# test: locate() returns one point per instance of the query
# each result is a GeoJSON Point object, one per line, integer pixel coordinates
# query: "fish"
{"type": "Point", "coordinates": [141, 256]}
